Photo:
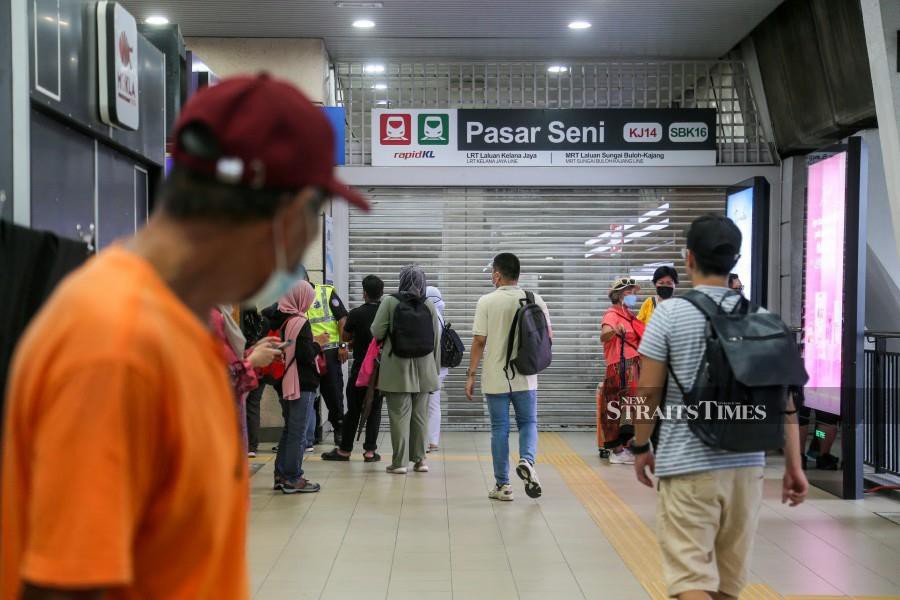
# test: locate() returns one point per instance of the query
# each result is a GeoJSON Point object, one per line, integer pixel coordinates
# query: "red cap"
{"type": "Point", "coordinates": [269, 134]}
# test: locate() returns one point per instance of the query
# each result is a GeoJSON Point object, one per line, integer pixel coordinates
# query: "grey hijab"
{"type": "Point", "coordinates": [412, 280]}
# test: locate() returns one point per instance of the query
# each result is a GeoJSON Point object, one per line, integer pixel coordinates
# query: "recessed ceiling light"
{"type": "Point", "coordinates": [373, 69]}
{"type": "Point", "coordinates": [380, 86]}
{"type": "Point", "coordinates": [359, 4]}
{"type": "Point", "coordinates": [364, 24]}
{"type": "Point", "coordinates": [557, 69]}
{"type": "Point", "coordinates": [579, 25]}
{"type": "Point", "coordinates": [156, 20]}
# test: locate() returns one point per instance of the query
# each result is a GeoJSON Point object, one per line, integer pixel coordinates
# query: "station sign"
{"type": "Point", "coordinates": [117, 66]}
{"type": "Point", "coordinates": [543, 137]}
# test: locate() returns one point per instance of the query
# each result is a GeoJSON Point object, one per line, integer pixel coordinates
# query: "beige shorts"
{"type": "Point", "coordinates": [706, 523]}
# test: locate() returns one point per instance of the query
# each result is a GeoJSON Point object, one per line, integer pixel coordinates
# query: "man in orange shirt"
{"type": "Point", "coordinates": [123, 472]}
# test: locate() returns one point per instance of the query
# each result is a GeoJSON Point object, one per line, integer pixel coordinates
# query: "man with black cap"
{"type": "Point", "coordinates": [709, 498]}
{"type": "Point", "coordinates": [123, 469]}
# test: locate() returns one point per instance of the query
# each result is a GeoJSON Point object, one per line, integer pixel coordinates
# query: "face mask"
{"type": "Point", "coordinates": [665, 292]}
{"type": "Point", "coordinates": [282, 278]}
{"type": "Point", "coordinates": [629, 300]}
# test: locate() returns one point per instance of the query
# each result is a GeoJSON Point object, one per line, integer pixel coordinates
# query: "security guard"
{"type": "Point", "coordinates": [328, 316]}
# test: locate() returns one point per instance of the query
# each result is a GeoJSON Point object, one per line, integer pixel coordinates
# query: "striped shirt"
{"type": "Point", "coordinates": [677, 334]}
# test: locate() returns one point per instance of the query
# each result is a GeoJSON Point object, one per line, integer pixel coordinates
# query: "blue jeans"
{"type": "Point", "coordinates": [525, 407]}
{"type": "Point", "coordinates": [289, 461]}
{"type": "Point", "coordinates": [311, 424]}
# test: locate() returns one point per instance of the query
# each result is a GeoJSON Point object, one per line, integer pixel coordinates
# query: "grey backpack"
{"type": "Point", "coordinates": [534, 351]}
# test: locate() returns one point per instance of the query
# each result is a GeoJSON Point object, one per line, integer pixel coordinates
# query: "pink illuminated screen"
{"type": "Point", "coordinates": [824, 297]}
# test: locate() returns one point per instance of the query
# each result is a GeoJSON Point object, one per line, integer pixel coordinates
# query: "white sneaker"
{"type": "Point", "coordinates": [625, 457]}
{"type": "Point", "coordinates": [251, 454]}
{"type": "Point", "coordinates": [501, 492]}
{"type": "Point", "coordinates": [420, 467]}
{"type": "Point", "coordinates": [526, 473]}
{"type": "Point", "coordinates": [396, 470]}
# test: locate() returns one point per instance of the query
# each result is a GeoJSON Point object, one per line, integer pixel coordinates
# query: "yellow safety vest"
{"type": "Point", "coordinates": [321, 318]}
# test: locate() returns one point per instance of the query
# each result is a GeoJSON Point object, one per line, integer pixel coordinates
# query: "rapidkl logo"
{"type": "Point", "coordinates": [125, 50]}
{"type": "Point", "coordinates": [396, 129]}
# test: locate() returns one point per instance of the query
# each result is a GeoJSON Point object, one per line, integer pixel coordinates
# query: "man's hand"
{"type": "Point", "coordinates": [343, 355]}
{"type": "Point", "coordinates": [794, 487]}
{"type": "Point", "coordinates": [470, 388]}
{"type": "Point", "coordinates": [641, 463]}
{"type": "Point", "coordinates": [322, 339]}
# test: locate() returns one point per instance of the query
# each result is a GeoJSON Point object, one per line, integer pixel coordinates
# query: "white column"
{"type": "Point", "coordinates": [21, 115]}
{"type": "Point", "coordinates": [881, 19]}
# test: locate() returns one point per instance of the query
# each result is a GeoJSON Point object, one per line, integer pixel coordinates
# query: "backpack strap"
{"type": "Point", "coordinates": [704, 304]}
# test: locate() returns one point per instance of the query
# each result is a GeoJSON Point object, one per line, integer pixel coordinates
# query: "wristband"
{"type": "Point", "coordinates": [642, 449]}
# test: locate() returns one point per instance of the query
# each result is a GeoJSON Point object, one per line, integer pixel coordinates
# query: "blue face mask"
{"type": "Point", "coordinates": [282, 278]}
{"type": "Point", "coordinates": [630, 300]}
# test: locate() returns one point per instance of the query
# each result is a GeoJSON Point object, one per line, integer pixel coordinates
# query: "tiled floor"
{"type": "Point", "coordinates": [427, 536]}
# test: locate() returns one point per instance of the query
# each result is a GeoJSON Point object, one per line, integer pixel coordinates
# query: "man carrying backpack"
{"type": "Point", "coordinates": [512, 331]}
{"type": "Point", "coordinates": [709, 491]}
{"type": "Point", "coordinates": [410, 360]}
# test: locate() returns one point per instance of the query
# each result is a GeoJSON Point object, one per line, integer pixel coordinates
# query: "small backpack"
{"type": "Point", "coordinates": [452, 347]}
{"type": "Point", "coordinates": [534, 351]}
{"type": "Point", "coordinates": [741, 387]}
{"type": "Point", "coordinates": [412, 328]}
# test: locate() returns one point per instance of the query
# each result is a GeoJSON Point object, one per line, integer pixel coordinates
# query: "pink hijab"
{"type": "Point", "coordinates": [295, 303]}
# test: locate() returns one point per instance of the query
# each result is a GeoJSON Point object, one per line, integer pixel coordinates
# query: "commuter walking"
{"type": "Point", "coordinates": [410, 362]}
{"type": "Point", "coordinates": [709, 496]}
{"type": "Point", "coordinates": [253, 328]}
{"type": "Point", "coordinates": [620, 332]}
{"type": "Point", "coordinates": [434, 296]}
{"type": "Point", "coordinates": [299, 385]}
{"type": "Point", "coordinates": [665, 279]}
{"type": "Point", "coordinates": [358, 334]}
{"type": "Point", "coordinates": [494, 338]}
{"type": "Point", "coordinates": [328, 316]}
{"type": "Point", "coordinates": [148, 497]}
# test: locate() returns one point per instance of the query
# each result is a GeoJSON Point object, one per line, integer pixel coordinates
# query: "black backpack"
{"type": "Point", "coordinates": [534, 352]}
{"type": "Point", "coordinates": [452, 347]}
{"type": "Point", "coordinates": [741, 387]}
{"type": "Point", "coordinates": [412, 329]}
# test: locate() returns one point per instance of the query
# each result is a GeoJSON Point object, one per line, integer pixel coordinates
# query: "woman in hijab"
{"type": "Point", "coordinates": [433, 295]}
{"type": "Point", "coordinates": [299, 385]}
{"type": "Point", "coordinates": [242, 362]}
{"type": "Point", "coordinates": [407, 381]}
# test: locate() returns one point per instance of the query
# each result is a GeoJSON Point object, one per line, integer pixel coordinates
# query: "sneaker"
{"type": "Point", "coordinates": [251, 454]}
{"type": "Point", "coordinates": [374, 458]}
{"type": "Point", "coordinates": [625, 457]}
{"type": "Point", "coordinates": [335, 455]}
{"type": "Point", "coordinates": [432, 448]}
{"type": "Point", "coordinates": [279, 483]}
{"type": "Point", "coordinates": [526, 473]}
{"type": "Point", "coordinates": [420, 467]}
{"type": "Point", "coordinates": [501, 492]}
{"type": "Point", "coordinates": [310, 449]}
{"type": "Point", "coordinates": [396, 470]}
{"type": "Point", "coordinates": [827, 462]}
{"type": "Point", "coordinates": [300, 486]}
{"type": "Point", "coordinates": [274, 449]}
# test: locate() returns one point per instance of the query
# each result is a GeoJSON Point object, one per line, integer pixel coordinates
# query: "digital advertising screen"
{"type": "Point", "coordinates": [824, 271]}
{"type": "Point", "coordinates": [739, 208]}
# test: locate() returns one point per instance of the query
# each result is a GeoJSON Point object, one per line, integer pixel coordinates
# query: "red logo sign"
{"type": "Point", "coordinates": [396, 129]}
{"type": "Point", "coordinates": [125, 50]}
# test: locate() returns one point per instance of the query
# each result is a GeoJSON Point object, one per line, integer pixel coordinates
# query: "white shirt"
{"type": "Point", "coordinates": [493, 318]}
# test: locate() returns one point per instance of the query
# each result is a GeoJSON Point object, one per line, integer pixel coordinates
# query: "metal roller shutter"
{"type": "Point", "coordinates": [572, 243]}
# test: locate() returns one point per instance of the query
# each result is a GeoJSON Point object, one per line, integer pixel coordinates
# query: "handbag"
{"type": "Point", "coordinates": [369, 364]}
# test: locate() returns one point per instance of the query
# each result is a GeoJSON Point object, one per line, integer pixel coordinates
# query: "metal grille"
{"type": "Point", "coordinates": [882, 387]}
{"type": "Point", "coordinates": [722, 84]}
{"type": "Point", "coordinates": [572, 243]}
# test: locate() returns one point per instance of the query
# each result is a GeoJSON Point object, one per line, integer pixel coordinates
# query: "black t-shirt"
{"type": "Point", "coordinates": [359, 326]}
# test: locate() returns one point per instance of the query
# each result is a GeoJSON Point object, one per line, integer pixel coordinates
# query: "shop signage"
{"type": "Point", "coordinates": [117, 68]}
{"type": "Point", "coordinates": [543, 137]}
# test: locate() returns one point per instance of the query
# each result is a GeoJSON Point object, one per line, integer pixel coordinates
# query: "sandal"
{"type": "Point", "coordinates": [372, 459]}
{"type": "Point", "coordinates": [335, 455]}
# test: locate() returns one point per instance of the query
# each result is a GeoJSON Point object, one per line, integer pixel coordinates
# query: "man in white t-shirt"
{"type": "Point", "coordinates": [493, 318]}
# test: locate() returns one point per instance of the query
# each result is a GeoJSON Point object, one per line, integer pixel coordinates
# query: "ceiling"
{"type": "Point", "coordinates": [479, 29]}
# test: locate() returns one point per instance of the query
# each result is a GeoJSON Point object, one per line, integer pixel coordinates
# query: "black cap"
{"type": "Point", "coordinates": [715, 238]}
